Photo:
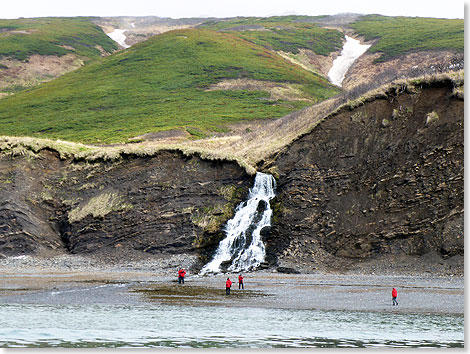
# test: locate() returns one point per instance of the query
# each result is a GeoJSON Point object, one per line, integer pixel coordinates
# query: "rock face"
{"type": "Point", "coordinates": [24, 224]}
{"type": "Point", "coordinates": [385, 178]}
{"type": "Point", "coordinates": [168, 203]}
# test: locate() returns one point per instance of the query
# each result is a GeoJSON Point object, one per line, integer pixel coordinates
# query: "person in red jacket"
{"type": "Point", "coordinates": [240, 282]}
{"type": "Point", "coordinates": [394, 297]}
{"type": "Point", "coordinates": [181, 274]}
{"type": "Point", "coordinates": [228, 284]}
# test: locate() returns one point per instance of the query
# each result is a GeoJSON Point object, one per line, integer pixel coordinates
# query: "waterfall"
{"type": "Point", "coordinates": [243, 247]}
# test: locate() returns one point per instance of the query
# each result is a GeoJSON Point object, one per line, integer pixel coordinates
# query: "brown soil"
{"type": "Point", "coordinates": [365, 71]}
{"type": "Point", "coordinates": [278, 91]}
{"type": "Point", "coordinates": [38, 68]}
{"type": "Point", "coordinates": [136, 35]}
{"type": "Point", "coordinates": [308, 60]}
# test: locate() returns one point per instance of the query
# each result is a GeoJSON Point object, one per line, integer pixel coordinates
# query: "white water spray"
{"type": "Point", "coordinates": [352, 50]}
{"type": "Point", "coordinates": [243, 245]}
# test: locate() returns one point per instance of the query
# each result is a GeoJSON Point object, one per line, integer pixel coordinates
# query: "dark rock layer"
{"type": "Point", "coordinates": [381, 180]}
{"type": "Point", "coordinates": [169, 203]}
{"type": "Point", "coordinates": [385, 178]}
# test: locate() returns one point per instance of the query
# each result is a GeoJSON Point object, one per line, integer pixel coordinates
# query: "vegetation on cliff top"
{"type": "Point", "coordinates": [401, 35]}
{"type": "Point", "coordinates": [247, 150]}
{"type": "Point", "coordinates": [21, 38]}
{"type": "Point", "coordinates": [156, 85]}
{"type": "Point", "coordinates": [282, 33]}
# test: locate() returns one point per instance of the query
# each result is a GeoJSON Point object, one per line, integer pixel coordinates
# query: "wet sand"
{"type": "Point", "coordinates": [59, 282]}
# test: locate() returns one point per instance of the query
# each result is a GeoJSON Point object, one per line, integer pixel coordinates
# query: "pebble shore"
{"type": "Point", "coordinates": [32, 279]}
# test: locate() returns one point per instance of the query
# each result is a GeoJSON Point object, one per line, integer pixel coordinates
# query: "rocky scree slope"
{"type": "Point", "coordinates": [384, 179]}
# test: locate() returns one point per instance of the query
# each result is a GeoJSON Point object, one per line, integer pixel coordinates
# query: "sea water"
{"type": "Point", "coordinates": [154, 325]}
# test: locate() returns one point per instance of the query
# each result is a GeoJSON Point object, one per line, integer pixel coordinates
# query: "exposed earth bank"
{"type": "Point", "coordinates": [381, 181]}
{"type": "Point", "coordinates": [375, 187]}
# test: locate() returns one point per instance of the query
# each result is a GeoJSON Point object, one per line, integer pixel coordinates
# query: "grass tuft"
{"type": "Point", "coordinates": [99, 206]}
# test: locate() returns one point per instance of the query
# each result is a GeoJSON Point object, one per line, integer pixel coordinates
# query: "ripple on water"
{"type": "Point", "coordinates": [90, 326]}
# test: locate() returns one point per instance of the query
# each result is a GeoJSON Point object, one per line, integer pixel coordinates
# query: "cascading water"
{"type": "Point", "coordinates": [243, 246]}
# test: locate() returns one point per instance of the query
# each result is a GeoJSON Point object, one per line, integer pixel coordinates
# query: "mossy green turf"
{"type": "Point", "coordinates": [284, 33]}
{"type": "Point", "coordinates": [47, 36]}
{"type": "Point", "coordinates": [157, 85]}
{"type": "Point", "coordinates": [400, 35]}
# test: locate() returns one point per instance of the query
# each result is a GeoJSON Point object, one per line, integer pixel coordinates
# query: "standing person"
{"type": "Point", "coordinates": [181, 274]}
{"type": "Point", "coordinates": [240, 282]}
{"type": "Point", "coordinates": [394, 297]}
{"type": "Point", "coordinates": [228, 284]}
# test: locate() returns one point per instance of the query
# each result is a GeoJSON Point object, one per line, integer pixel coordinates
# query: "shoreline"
{"type": "Point", "coordinates": [84, 280]}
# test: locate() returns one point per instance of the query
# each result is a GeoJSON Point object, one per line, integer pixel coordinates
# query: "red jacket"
{"type": "Point", "coordinates": [240, 279]}
{"type": "Point", "coordinates": [181, 273]}
{"type": "Point", "coordinates": [228, 283]}
{"type": "Point", "coordinates": [394, 292]}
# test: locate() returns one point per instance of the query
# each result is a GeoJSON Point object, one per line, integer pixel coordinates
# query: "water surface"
{"type": "Point", "coordinates": [40, 325]}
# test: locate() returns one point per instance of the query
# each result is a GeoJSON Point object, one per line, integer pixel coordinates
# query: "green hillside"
{"type": "Point", "coordinates": [156, 85]}
{"type": "Point", "coordinates": [400, 35]}
{"type": "Point", "coordinates": [24, 37]}
{"type": "Point", "coordinates": [283, 33]}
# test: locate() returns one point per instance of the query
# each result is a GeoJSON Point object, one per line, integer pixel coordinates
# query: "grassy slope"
{"type": "Point", "coordinates": [46, 36]}
{"type": "Point", "coordinates": [401, 35]}
{"type": "Point", "coordinates": [285, 33]}
{"type": "Point", "coordinates": [157, 85]}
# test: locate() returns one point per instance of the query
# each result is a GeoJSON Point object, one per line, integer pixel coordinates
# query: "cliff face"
{"type": "Point", "coordinates": [168, 203]}
{"type": "Point", "coordinates": [380, 181]}
{"type": "Point", "coordinates": [385, 178]}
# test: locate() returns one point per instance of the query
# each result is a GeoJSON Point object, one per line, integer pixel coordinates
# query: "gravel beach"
{"type": "Point", "coordinates": [76, 279]}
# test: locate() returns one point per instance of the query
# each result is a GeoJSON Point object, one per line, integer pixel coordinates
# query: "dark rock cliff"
{"type": "Point", "coordinates": [380, 181]}
{"type": "Point", "coordinates": [383, 179]}
{"type": "Point", "coordinates": [168, 203]}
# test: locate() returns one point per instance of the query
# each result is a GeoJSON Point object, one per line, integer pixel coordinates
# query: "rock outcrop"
{"type": "Point", "coordinates": [382, 179]}
{"type": "Point", "coordinates": [168, 203]}
{"type": "Point", "coordinates": [373, 181]}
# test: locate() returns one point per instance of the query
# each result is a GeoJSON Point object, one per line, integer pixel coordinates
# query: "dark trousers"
{"type": "Point", "coordinates": [180, 280]}
{"type": "Point", "coordinates": [227, 291]}
{"type": "Point", "coordinates": [395, 302]}
{"type": "Point", "coordinates": [240, 285]}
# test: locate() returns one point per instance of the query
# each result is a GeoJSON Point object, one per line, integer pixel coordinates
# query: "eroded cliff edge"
{"type": "Point", "coordinates": [378, 184]}
{"type": "Point", "coordinates": [168, 203]}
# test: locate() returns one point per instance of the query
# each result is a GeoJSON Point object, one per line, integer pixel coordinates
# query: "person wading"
{"type": "Point", "coordinates": [228, 284]}
{"type": "Point", "coordinates": [240, 282]}
{"type": "Point", "coordinates": [394, 297]}
{"type": "Point", "coordinates": [181, 274]}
